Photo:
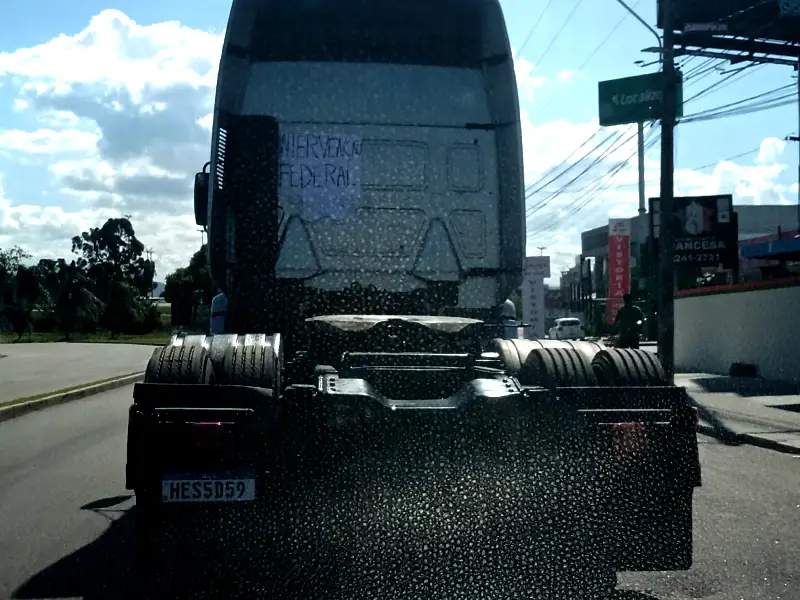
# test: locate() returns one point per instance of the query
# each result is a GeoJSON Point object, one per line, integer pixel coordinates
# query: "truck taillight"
{"type": "Point", "coordinates": [628, 440]}
{"type": "Point", "coordinates": [696, 415]}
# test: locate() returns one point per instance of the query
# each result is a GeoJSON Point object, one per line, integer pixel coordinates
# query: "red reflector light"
{"type": "Point", "coordinates": [696, 415]}
{"type": "Point", "coordinates": [628, 440]}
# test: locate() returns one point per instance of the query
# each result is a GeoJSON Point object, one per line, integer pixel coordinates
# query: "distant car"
{"type": "Point", "coordinates": [567, 328]}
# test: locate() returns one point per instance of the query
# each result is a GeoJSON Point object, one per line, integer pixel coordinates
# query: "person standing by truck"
{"type": "Point", "coordinates": [628, 322]}
{"type": "Point", "coordinates": [219, 312]}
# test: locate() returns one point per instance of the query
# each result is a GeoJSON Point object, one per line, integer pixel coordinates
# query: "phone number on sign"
{"type": "Point", "coordinates": [708, 257]}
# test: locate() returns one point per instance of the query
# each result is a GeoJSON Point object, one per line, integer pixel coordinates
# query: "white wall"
{"type": "Point", "coordinates": [761, 327]}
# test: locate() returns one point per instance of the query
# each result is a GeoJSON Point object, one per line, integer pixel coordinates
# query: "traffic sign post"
{"type": "Point", "coordinates": [634, 99]}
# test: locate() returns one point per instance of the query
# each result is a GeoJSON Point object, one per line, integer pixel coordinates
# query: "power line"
{"type": "Point", "coordinates": [739, 102]}
{"type": "Point", "coordinates": [594, 52]}
{"type": "Point", "coordinates": [615, 146]}
{"type": "Point", "coordinates": [699, 168]}
{"type": "Point", "coordinates": [587, 199]}
{"type": "Point", "coordinates": [558, 33]}
{"type": "Point", "coordinates": [734, 157]}
{"type": "Point", "coordinates": [530, 192]}
{"type": "Point", "coordinates": [785, 100]}
{"type": "Point", "coordinates": [696, 70]}
{"type": "Point", "coordinates": [726, 81]}
{"type": "Point", "coordinates": [591, 183]}
{"type": "Point", "coordinates": [542, 203]}
{"type": "Point", "coordinates": [533, 29]}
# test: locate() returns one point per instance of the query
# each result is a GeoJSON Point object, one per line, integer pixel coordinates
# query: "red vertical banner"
{"type": "Point", "coordinates": [619, 265]}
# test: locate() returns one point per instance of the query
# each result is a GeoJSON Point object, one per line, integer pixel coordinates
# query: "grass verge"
{"type": "Point", "coordinates": [62, 391]}
{"type": "Point", "coordinates": [154, 338]}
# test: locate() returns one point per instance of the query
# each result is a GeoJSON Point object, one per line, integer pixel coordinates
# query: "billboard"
{"type": "Point", "coordinates": [619, 265]}
{"type": "Point", "coordinates": [705, 230]}
{"type": "Point", "coordinates": [768, 19]}
{"type": "Point", "coordinates": [537, 269]}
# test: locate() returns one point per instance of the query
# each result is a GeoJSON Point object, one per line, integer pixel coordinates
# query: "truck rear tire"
{"type": "Point", "coordinates": [179, 364]}
{"type": "Point", "coordinates": [628, 367]}
{"type": "Point", "coordinates": [514, 352]}
{"type": "Point", "coordinates": [557, 367]}
{"type": "Point", "coordinates": [258, 364]}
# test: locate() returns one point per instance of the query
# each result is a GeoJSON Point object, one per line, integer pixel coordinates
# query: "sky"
{"type": "Point", "coordinates": [104, 111]}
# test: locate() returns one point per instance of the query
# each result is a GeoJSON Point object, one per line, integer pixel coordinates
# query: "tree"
{"type": "Point", "coordinates": [113, 253]}
{"type": "Point", "coordinates": [119, 275]}
{"type": "Point", "coordinates": [189, 286]}
{"type": "Point", "coordinates": [77, 309]}
{"type": "Point", "coordinates": [10, 262]}
{"type": "Point", "coordinates": [107, 286]}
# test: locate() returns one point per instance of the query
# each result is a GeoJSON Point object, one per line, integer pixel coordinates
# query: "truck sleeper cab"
{"type": "Point", "coordinates": [400, 157]}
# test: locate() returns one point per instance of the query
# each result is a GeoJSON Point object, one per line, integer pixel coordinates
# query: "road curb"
{"type": "Point", "coordinates": [750, 440]}
{"type": "Point", "coordinates": [17, 410]}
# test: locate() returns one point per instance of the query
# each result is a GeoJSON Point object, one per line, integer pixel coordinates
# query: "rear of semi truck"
{"type": "Point", "coordinates": [361, 431]}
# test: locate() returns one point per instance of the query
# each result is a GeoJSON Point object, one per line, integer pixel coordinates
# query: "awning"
{"type": "Point", "coordinates": [787, 249]}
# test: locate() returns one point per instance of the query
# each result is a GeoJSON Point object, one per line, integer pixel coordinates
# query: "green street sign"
{"type": "Point", "coordinates": [633, 99]}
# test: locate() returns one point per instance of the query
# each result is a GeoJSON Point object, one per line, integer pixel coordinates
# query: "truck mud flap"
{"type": "Point", "coordinates": [186, 428]}
{"type": "Point", "coordinates": [650, 466]}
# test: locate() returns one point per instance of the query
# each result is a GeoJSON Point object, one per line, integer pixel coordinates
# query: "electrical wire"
{"type": "Point", "coordinates": [533, 29]}
{"type": "Point", "coordinates": [558, 33]}
{"type": "Point", "coordinates": [614, 147]}
{"type": "Point", "coordinates": [785, 100]}
{"type": "Point", "coordinates": [760, 97]}
{"type": "Point", "coordinates": [734, 157]}
{"type": "Point", "coordinates": [698, 71]}
{"type": "Point", "coordinates": [584, 201]}
{"type": "Point", "coordinates": [593, 53]}
{"type": "Point", "coordinates": [716, 85]}
{"type": "Point", "coordinates": [699, 168]}
{"type": "Point", "coordinates": [531, 191]}
{"type": "Point", "coordinates": [696, 74]}
{"type": "Point", "coordinates": [530, 188]}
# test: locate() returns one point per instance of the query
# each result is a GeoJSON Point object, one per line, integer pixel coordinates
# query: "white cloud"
{"type": "Point", "coordinates": [527, 81]}
{"type": "Point", "coordinates": [129, 108]}
{"type": "Point", "coordinates": [48, 141]}
{"type": "Point", "coordinates": [566, 75]}
{"type": "Point", "coordinates": [771, 149]}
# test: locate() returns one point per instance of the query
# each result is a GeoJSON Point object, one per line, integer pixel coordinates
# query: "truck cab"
{"type": "Point", "coordinates": [399, 177]}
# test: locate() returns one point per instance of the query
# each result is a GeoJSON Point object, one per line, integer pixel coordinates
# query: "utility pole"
{"type": "Point", "coordinates": [798, 139]}
{"type": "Point", "coordinates": [666, 280]}
{"type": "Point", "coordinates": [640, 144]}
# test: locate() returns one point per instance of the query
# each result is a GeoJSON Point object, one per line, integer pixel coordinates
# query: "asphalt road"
{"type": "Point", "coordinates": [32, 369]}
{"type": "Point", "coordinates": [65, 525]}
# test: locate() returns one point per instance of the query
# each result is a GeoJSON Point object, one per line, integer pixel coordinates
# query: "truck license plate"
{"type": "Point", "coordinates": [208, 490]}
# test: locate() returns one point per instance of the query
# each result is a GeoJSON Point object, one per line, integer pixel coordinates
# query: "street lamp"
{"type": "Point", "coordinates": [647, 25]}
